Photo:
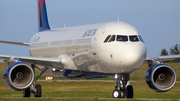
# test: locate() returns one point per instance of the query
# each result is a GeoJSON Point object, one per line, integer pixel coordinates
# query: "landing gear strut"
{"type": "Point", "coordinates": [37, 89]}
{"type": "Point", "coordinates": [122, 89]}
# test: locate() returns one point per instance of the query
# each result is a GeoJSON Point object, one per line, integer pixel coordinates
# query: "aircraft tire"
{"type": "Point", "coordinates": [122, 94]}
{"type": "Point", "coordinates": [130, 91]}
{"type": "Point", "coordinates": [26, 92]}
{"type": "Point", "coordinates": [38, 90]}
{"type": "Point", "coordinates": [116, 94]}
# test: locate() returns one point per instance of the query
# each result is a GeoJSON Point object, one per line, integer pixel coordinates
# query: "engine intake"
{"type": "Point", "coordinates": [161, 77]}
{"type": "Point", "coordinates": [18, 76]}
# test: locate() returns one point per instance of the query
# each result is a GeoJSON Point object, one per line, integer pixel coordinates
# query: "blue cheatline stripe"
{"type": "Point", "coordinates": [44, 25]}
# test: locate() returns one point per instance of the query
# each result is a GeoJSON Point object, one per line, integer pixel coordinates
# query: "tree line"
{"type": "Point", "coordinates": [173, 50]}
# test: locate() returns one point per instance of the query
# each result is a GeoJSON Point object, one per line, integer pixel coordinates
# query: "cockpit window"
{"type": "Point", "coordinates": [141, 39]}
{"type": "Point", "coordinates": [112, 38]}
{"type": "Point", "coordinates": [107, 38]}
{"type": "Point", "coordinates": [122, 38]}
{"type": "Point", "coordinates": [133, 38]}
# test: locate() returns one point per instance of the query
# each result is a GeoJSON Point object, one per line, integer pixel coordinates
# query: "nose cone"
{"type": "Point", "coordinates": [133, 56]}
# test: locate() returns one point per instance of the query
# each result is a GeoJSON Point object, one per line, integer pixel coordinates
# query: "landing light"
{"type": "Point", "coordinates": [115, 76]}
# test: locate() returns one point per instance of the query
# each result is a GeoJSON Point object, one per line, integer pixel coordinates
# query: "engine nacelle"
{"type": "Point", "coordinates": [161, 77]}
{"type": "Point", "coordinates": [18, 76]}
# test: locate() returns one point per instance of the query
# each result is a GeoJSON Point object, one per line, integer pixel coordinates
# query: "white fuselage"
{"type": "Point", "coordinates": [88, 50]}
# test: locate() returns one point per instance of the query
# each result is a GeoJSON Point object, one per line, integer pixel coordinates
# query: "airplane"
{"type": "Point", "coordinates": [88, 51]}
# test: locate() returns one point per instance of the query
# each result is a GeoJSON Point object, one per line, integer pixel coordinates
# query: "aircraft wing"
{"type": "Point", "coordinates": [49, 62]}
{"type": "Point", "coordinates": [164, 58]}
{"type": "Point", "coordinates": [15, 43]}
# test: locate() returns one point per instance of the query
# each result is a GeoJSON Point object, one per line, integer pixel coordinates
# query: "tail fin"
{"type": "Point", "coordinates": [43, 19]}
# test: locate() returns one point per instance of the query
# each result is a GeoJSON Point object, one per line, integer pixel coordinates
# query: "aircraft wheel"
{"type": "Point", "coordinates": [26, 92]}
{"type": "Point", "coordinates": [116, 94]}
{"type": "Point", "coordinates": [130, 91]}
{"type": "Point", "coordinates": [122, 94]}
{"type": "Point", "coordinates": [38, 91]}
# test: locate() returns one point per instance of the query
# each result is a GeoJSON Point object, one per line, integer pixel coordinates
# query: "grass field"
{"type": "Point", "coordinates": [89, 91]}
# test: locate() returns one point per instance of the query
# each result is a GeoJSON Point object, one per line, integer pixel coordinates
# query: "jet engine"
{"type": "Point", "coordinates": [18, 76]}
{"type": "Point", "coordinates": [160, 77]}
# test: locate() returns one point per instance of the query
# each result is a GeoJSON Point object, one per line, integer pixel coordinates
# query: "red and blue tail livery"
{"type": "Point", "coordinates": [43, 19]}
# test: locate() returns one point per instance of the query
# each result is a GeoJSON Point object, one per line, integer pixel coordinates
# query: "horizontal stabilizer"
{"type": "Point", "coordinates": [15, 43]}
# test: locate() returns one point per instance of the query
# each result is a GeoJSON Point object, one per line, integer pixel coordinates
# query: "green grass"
{"type": "Point", "coordinates": [90, 91]}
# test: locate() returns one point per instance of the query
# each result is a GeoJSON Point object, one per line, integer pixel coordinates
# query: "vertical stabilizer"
{"type": "Point", "coordinates": [43, 19]}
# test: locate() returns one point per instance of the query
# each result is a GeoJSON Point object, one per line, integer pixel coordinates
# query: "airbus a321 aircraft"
{"type": "Point", "coordinates": [89, 51]}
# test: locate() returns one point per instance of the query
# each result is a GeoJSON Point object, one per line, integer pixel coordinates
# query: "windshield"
{"type": "Point", "coordinates": [107, 38]}
{"type": "Point", "coordinates": [134, 38]}
{"type": "Point", "coordinates": [122, 38]}
{"type": "Point", "coordinates": [112, 38]}
{"type": "Point", "coordinates": [141, 39]}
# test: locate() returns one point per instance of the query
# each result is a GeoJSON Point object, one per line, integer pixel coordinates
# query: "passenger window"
{"type": "Point", "coordinates": [133, 38]}
{"type": "Point", "coordinates": [112, 38]}
{"type": "Point", "coordinates": [122, 38]}
{"type": "Point", "coordinates": [141, 39]}
{"type": "Point", "coordinates": [107, 38]}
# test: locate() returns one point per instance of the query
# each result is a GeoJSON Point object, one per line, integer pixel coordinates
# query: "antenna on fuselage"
{"type": "Point", "coordinates": [64, 25]}
{"type": "Point", "coordinates": [118, 18]}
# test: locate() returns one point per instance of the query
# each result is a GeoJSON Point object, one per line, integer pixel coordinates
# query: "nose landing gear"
{"type": "Point", "coordinates": [122, 88]}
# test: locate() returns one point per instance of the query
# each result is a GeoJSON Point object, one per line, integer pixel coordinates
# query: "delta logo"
{"type": "Point", "coordinates": [89, 32]}
{"type": "Point", "coordinates": [36, 39]}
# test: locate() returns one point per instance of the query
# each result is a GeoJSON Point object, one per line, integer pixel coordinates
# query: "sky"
{"type": "Point", "coordinates": [157, 21]}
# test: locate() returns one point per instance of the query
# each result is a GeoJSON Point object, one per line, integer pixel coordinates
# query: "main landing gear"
{"type": "Point", "coordinates": [37, 89]}
{"type": "Point", "coordinates": [122, 89]}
